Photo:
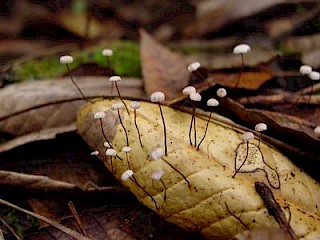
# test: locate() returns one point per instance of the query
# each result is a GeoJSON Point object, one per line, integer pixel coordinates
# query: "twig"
{"type": "Point", "coordinates": [62, 228]}
{"type": "Point", "coordinates": [274, 208]}
{"type": "Point", "coordinates": [76, 216]}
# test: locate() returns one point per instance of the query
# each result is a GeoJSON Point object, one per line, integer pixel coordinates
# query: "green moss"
{"type": "Point", "coordinates": [125, 60]}
{"type": "Point", "coordinates": [42, 69]}
{"type": "Point", "coordinates": [13, 219]}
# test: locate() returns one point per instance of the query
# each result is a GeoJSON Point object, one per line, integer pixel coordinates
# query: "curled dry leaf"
{"type": "Point", "coordinates": [162, 69]}
{"type": "Point", "coordinates": [202, 191]}
{"type": "Point", "coordinates": [33, 106]}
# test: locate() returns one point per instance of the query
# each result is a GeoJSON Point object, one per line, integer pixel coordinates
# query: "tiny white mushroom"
{"type": "Point", "coordinates": [247, 136]}
{"type": "Point", "coordinates": [126, 149]}
{"type": "Point", "coordinates": [193, 66]}
{"type": "Point", "coordinates": [111, 152]}
{"type": "Point", "coordinates": [157, 175]}
{"type": "Point", "coordinates": [107, 145]}
{"type": "Point", "coordinates": [94, 153]}
{"type": "Point", "coordinates": [157, 97]}
{"type": "Point", "coordinates": [66, 59]}
{"type": "Point", "coordinates": [305, 69]}
{"type": "Point", "coordinates": [314, 76]}
{"type": "Point", "coordinates": [126, 175]}
{"type": "Point", "coordinates": [260, 127]}
{"type": "Point", "coordinates": [117, 106]}
{"type": "Point", "coordinates": [241, 49]}
{"type": "Point", "coordinates": [107, 52]}
{"type": "Point", "coordinates": [221, 92]}
{"type": "Point", "coordinates": [99, 115]}
{"type": "Point", "coordinates": [135, 105]}
{"type": "Point", "coordinates": [157, 153]}
{"type": "Point", "coordinates": [212, 102]}
{"type": "Point", "coordinates": [195, 97]}
{"type": "Point", "coordinates": [188, 90]}
{"type": "Point", "coordinates": [115, 79]}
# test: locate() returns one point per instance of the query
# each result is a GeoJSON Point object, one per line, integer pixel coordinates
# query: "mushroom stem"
{"type": "Point", "coordinates": [136, 125]}
{"type": "Point", "coordinates": [75, 84]}
{"type": "Point", "coordinates": [164, 130]}
{"type": "Point", "coordinates": [205, 132]}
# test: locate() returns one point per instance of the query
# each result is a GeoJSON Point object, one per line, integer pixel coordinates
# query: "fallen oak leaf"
{"type": "Point", "coordinates": [197, 201]}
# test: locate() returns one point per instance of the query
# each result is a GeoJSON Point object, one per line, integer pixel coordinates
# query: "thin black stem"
{"type": "Point", "coordinates": [236, 217]}
{"type": "Point", "coordinates": [103, 133]}
{"type": "Point", "coordinates": [259, 140]}
{"type": "Point", "coordinates": [165, 190]}
{"type": "Point", "coordinates": [127, 158]}
{"type": "Point", "coordinates": [194, 127]}
{"type": "Point", "coordinates": [191, 125]}
{"type": "Point", "coordinates": [154, 201]}
{"type": "Point", "coordinates": [173, 167]}
{"type": "Point", "coordinates": [124, 128]}
{"type": "Point", "coordinates": [164, 130]}
{"type": "Point", "coordinates": [75, 84]}
{"type": "Point", "coordinates": [241, 70]}
{"type": "Point", "coordinates": [135, 123]}
{"type": "Point", "coordinates": [237, 170]}
{"type": "Point", "coordinates": [121, 98]}
{"type": "Point", "coordinates": [111, 163]}
{"type": "Point", "coordinates": [205, 132]}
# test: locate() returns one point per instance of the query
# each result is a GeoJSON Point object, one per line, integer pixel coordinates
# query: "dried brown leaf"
{"type": "Point", "coordinates": [224, 61]}
{"type": "Point", "coordinates": [162, 69]}
{"type": "Point", "coordinates": [33, 106]}
{"type": "Point", "coordinates": [287, 25]}
{"type": "Point", "coordinates": [248, 80]}
{"type": "Point", "coordinates": [118, 222]}
{"type": "Point", "coordinates": [212, 14]}
{"type": "Point", "coordinates": [300, 44]}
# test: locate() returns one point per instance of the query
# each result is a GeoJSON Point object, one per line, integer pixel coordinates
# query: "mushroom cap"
{"type": "Point", "coordinates": [241, 49]}
{"type": "Point", "coordinates": [67, 59]}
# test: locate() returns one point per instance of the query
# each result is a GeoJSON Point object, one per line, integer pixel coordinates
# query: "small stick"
{"type": "Point", "coordinates": [76, 216]}
{"type": "Point", "coordinates": [274, 208]}
{"type": "Point", "coordinates": [62, 228]}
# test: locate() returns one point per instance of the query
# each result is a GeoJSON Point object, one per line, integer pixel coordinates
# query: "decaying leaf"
{"type": "Point", "coordinates": [161, 68]}
{"type": "Point", "coordinates": [212, 14]}
{"type": "Point", "coordinates": [33, 106]}
{"type": "Point", "coordinates": [202, 190]}
{"type": "Point", "coordinates": [248, 80]}
{"type": "Point", "coordinates": [230, 60]}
